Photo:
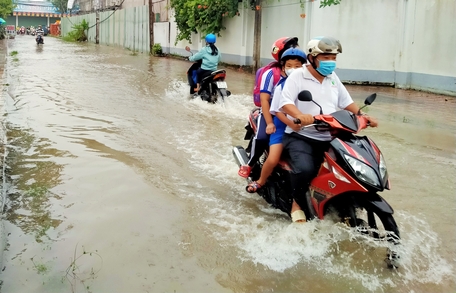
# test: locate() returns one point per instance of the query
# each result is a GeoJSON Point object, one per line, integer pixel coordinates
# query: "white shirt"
{"type": "Point", "coordinates": [331, 95]}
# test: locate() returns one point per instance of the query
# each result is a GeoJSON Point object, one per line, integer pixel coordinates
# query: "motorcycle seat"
{"type": "Point", "coordinates": [221, 73]}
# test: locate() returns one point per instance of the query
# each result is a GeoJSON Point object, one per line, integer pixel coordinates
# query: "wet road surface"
{"type": "Point", "coordinates": [117, 182]}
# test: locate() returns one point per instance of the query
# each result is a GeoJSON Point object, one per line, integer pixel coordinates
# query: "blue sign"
{"type": "Point", "coordinates": [49, 8]}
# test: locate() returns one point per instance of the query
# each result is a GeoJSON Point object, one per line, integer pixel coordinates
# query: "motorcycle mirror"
{"type": "Point", "coordinates": [187, 48]}
{"type": "Point", "coordinates": [370, 99]}
{"type": "Point", "coordinates": [305, 96]}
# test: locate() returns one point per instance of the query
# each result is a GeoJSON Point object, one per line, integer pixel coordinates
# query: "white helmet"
{"type": "Point", "coordinates": [323, 45]}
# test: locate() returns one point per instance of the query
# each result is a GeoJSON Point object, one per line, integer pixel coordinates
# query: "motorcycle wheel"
{"type": "Point", "coordinates": [377, 224]}
{"type": "Point", "coordinates": [381, 226]}
{"type": "Point", "coordinates": [367, 220]}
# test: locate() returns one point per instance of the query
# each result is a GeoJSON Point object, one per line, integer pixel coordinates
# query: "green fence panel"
{"type": "Point", "coordinates": [128, 28]}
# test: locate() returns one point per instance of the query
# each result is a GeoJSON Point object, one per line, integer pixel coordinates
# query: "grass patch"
{"type": "Point", "coordinates": [68, 39]}
{"type": "Point", "coordinates": [15, 59]}
{"type": "Point", "coordinates": [13, 53]}
{"type": "Point", "coordinates": [36, 191]}
{"type": "Point", "coordinates": [75, 276]}
{"type": "Point", "coordinates": [40, 267]}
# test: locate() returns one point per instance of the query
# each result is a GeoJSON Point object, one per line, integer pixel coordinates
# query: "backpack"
{"type": "Point", "coordinates": [276, 71]}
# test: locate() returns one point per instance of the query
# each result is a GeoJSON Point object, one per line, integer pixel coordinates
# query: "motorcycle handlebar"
{"type": "Point", "coordinates": [298, 121]}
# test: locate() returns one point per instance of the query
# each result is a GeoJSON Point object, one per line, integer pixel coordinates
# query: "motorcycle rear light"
{"type": "Point", "coordinates": [219, 75]}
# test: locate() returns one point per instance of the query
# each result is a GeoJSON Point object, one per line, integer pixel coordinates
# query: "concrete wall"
{"type": "Point", "coordinates": [403, 43]}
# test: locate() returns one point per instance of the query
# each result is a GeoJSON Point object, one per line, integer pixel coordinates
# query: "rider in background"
{"type": "Point", "coordinates": [265, 122]}
{"type": "Point", "coordinates": [210, 56]}
{"type": "Point", "coordinates": [306, 147]}
{"type": "Point", "coordinates": [39, 32]}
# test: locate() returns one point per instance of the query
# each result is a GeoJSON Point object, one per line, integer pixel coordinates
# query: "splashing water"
{"type": "Point", "coordinates": [265, 236]}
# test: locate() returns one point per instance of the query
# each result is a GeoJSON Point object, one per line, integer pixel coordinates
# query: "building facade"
{"type": "Point", "coordinates": [34, 13]}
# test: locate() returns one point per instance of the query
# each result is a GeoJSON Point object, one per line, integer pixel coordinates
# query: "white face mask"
{"type": "Point", "coordinates": [289, 71]}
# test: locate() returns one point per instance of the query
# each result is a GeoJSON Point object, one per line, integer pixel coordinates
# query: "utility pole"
{"type": "Point", "coordinates": [151, 25]}
{"type": "Point", "coordinates": [257, 36]}
{"type": "Point", "coordinates": [97, 28]}
{"type": "Point", "coordinates": [97, 22]}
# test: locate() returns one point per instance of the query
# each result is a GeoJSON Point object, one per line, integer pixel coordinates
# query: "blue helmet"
{"type": "Point", "coordinates": [210, 38]}
{"type": "Point", "coordinates": [294, 53]}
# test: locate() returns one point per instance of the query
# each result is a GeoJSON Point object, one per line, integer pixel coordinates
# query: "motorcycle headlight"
{"type": "Point", "coordinates": [363, 171]}
{"type": "Point", "coordinates": [382, 167]}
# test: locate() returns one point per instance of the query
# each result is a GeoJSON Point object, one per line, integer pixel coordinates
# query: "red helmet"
{"type": "Point", "coordinates": [281, 45]}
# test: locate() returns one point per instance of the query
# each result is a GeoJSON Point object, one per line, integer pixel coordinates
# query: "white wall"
{"type": "Point", "coordinates": [406, 43]}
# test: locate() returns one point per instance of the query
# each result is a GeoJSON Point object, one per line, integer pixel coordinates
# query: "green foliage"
{"type": "Point", "coordinates": [79, 32]}
{"type": "Point", "coordinates": [60, 4]}
{"type": "Point", "coordinates": [6, 8]}
{"type": "Point", "coordinates": [2, 32]}
{"type": "Point", "coordinates": [205, 16]}
{"type": "Point", "coordinates": [324, 3]}
{"type": "Point", "coordinates": [13, 53]}
{"type": "Point", "coordinates": [157, 49]}
{"type": "Point", "coordinates": [40, 267]}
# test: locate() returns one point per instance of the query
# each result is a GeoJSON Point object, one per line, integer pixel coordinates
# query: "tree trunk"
{"type": "Point", "coordinates": [257, 37]}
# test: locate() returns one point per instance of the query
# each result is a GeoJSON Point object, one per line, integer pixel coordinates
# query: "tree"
{"type": "Point", "coordinates": [6, 8]}
{"type": "Point", "coordinates": [60, 4]}
{"type": "Point", "coordinates": [205, 16]}
{"type": "Point", "coordinates": [324, 3]}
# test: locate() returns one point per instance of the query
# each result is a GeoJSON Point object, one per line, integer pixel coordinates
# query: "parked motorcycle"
{"type": "Point", "coordinates": [212, 88]}
{"type": "Point", "coordinates": [39, 39]}
{"type": "Point", "coordinates": [348, 181]}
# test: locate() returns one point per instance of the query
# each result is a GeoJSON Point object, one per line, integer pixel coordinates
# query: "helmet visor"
{"type": "Point", "coordinates": [330, 45]}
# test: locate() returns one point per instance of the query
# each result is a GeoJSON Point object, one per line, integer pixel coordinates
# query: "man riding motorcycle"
{"type": "Point", "coordinates": [307, 146]}
{"type": "Point", "coordinates": [39, 34]}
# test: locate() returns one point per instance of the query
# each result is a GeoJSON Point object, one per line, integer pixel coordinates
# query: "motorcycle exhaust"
{"type": "Point", "coordinates": [240, 155]}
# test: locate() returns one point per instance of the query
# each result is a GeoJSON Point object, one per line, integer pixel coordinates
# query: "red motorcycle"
{"type": "Point", "coordinates": [348, 181]}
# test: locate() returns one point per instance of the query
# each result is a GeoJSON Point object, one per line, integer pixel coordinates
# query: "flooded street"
{"type": "Point", "coordinates": [117, 182]}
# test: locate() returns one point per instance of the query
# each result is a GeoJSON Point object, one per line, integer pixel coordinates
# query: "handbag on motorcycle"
{"type": "Point", "coordinates": [256, 90]}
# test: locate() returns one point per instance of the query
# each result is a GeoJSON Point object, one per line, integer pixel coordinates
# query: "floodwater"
{"type": "Point", "coordinates": [117, 182]}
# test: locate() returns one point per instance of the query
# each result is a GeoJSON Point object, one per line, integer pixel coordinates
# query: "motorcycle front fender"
{"type": "Point", "coordinates": [379, 203]}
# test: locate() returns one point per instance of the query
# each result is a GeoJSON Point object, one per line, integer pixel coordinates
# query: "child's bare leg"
{"type": "Point", "coordinates": [275, 151]}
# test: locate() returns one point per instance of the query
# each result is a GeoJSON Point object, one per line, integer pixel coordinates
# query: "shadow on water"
{"type": "Point", "coordinates": [31, 173]}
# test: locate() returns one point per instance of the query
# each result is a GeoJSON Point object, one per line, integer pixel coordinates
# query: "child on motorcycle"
{"type": "Point", "coordinates": [210, 56]}
{"type": "Point", "coordinates": [265, 120]}
{"type": "Point", "coordinates": [292, 59]}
